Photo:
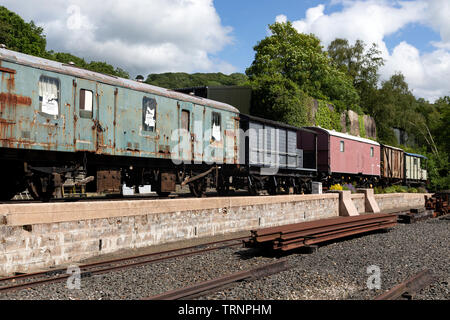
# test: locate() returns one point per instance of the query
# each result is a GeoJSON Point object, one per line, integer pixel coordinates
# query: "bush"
{"type": "Point", "coordinates": [399, 189]}
{"type": "Point", "coordinates": [337, 187]}
{"type": "Point", "coordinates": [350, 187]}
{"type": "Point", "coordinates": [378, 190]}
{"type": "Point", "coordinates": [422, 190]}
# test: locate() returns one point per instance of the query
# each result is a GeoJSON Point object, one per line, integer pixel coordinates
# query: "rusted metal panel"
{"type": "Point", "coordinates": [55, 115]}
{"type": "Point", "coordinates": [105, 121]}
{"type": "Point", "coordinates": [73, 71]}
{"type": "Point", "coordinates": [168, 182]}
{"type": "Point", "coordinates": [108, 181]}
{"type": "Point", "coordinates": [85, 130]}
{"type": "Point", "coordinates": [7, 70]}
{"type": "Point", "coordinates": [197, 133]}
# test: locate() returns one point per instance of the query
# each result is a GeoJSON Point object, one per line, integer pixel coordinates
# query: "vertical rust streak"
{"type": "Point", "coordinates": [11, 83]}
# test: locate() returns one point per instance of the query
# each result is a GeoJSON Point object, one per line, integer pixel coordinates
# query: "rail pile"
{"type": "Point", "coordinates": [414, 215]}
{"type": "Point", "coordinates": [304, 234]}
{"type": "Point", "coordinates": [410, 287]}
{"type": "Point", "coordinates": [439, 203]}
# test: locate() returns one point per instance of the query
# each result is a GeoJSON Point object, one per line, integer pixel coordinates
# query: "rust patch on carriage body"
{"type": "Point", "coordinates": [10, 99]}
{"type": "Point", "coordinates": [7, 70]}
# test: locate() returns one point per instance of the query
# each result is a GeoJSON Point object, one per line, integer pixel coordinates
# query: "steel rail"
{"type": "Point", "coordinates": [214, 284]}
{"type": "Point", "coordinates": [86, 267]}
{"type": "Point", "coordinates": [408, 288]}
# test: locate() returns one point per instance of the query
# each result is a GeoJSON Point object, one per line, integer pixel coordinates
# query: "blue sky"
{"type": "Point", "coordinates": [249, 20]}
{"type": "Point", "coordinates": [156, 36]}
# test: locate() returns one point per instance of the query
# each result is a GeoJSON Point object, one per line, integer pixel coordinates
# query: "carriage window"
{"type": "Point", "coordinates": [216, 126]}
{"type": "Point", "coordinates": [49, 95]}
{"type": "Point", "coordinates": [415, 161]}
{"type": "Point", "coordinates": [185, 120]}
{"type": "Point", "coordinates": [371, 151]}
{"type": "Point", "coordinates": [148, 114]}
{"type": "Point", "coordinates": [342, 146]}
{"type": "Point", "coordinates": [86, 103]}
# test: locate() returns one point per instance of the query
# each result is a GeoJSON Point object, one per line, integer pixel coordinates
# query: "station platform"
{"type": "Point", "coordinates": [41, 235]}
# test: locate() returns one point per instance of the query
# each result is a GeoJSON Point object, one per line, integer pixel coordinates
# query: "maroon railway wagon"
{"type": "Point", "coordinates": [345, 158]}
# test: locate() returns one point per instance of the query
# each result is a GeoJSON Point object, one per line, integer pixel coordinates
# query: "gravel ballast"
{"type": "Point", "coordinates": [335, 271]}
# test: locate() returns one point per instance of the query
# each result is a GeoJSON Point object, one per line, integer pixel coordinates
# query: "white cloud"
{"type": "Point", "coordinates": [143, 37]}
{"type": "Point", "coordinates": [428, 74]}
{"type": "Point", "coordinates": [281, 18]}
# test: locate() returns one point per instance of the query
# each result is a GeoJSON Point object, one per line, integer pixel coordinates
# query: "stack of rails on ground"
{"type": "Point", "coordinates": [68, 133]}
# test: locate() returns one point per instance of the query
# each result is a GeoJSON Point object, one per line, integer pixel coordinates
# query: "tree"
{"type": "Point", "coordinates": [20, 36]}
{"type": "Point", "coordinates": [361, 65]}
{"type": "Point", "coordinates": [292, 57]}
{"type": "Point", "coordinates": [394, 108]}
{"type": "Point", "coordinates": [279, 98]}
{"type": "Point", "coordinates": [184, 80]}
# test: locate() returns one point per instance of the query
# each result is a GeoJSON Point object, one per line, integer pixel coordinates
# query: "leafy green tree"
{"type": "Point", "coordinates": [361, 65]}
{"type": "Point", "coordinates": [441, 119]}
{"type": "Point", "coordinates": [178, 80]}
{"type": "Point", "coordinates": [288, 70]}
{"type": "Point", "coordinates": [276, 97]}
{"type": "Point", "coordinates": [300, 58]}
{"type": "Point", "coordinates": [67, 58]}
{"type": "Point", "coordinates": [20, 36]}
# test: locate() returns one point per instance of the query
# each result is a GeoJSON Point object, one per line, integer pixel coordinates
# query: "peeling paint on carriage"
{"type": "Point", "coordinates": [115, 122]}
{"type": "Point", "coordinates": [53, 66]}
{"type": "Point", "coordinates": [12, 100]}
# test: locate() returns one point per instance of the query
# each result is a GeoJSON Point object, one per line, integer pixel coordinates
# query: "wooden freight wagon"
{"type": "Point", "coordinates": [392, 164]}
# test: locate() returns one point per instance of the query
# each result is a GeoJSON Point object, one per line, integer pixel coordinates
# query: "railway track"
{"type": "Point", "coordinates": [209, 286]}
{"type": "Point", "coordinates": [408, 288]}
{"type": "Point", "coordinates": [87, 270]}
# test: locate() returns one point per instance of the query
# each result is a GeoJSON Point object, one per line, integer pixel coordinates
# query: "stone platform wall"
{"type": "Point", "coordinates": [34, 236]}
{"type": "Point", "coordinates": [41, 235]}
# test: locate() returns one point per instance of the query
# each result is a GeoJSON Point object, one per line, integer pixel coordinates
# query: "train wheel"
{"type": "Point", "coordinates": [223, 187]}
{"type": "Point", "coordinates": [223, 190]}
{"type": "Point", "coordinates": [252, 187]}
{"type": "Point", "coordinates": [198, 188]}
{"type": "Point", "coordinates": [41, 188]}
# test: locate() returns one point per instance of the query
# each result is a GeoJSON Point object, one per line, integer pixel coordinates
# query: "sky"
{"type": "Point", "coordinates": [156, 36]}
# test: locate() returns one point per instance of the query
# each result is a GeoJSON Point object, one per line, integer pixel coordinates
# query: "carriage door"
{"type": "Point", "coordinates": [85, 115]}
{"type": "Point", "coordinates": [107, 100]}
{"type": "Point", "coordinates": [185, 140]}
{"type": "Point", "coordinates": [197, 133]}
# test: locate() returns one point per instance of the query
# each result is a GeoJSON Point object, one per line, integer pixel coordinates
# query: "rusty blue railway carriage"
{"type": "Point", "coordinates": [61, 125]}
{"type": "Point", "coordinates": [59, 122]}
